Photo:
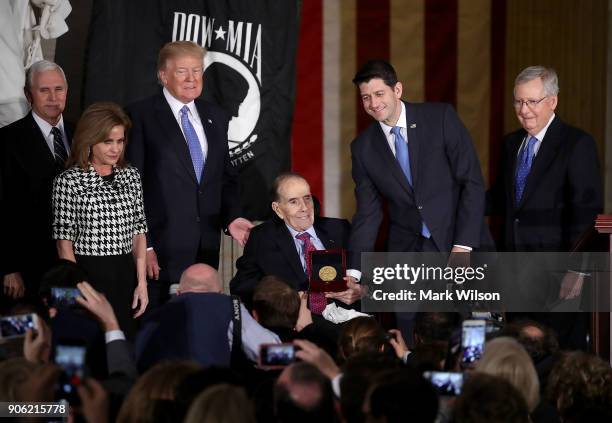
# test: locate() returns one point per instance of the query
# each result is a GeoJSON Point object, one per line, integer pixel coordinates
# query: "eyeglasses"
{"type": "Point", "coordinates": [518, 104]}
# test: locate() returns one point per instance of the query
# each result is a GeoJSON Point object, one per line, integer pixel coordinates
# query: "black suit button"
{"type": "Point", "coordinates": [420, 207]}
{"type": "Point", "coordinates": [516, 220]}
{"type": "Point", "coordinates": [198, 219]}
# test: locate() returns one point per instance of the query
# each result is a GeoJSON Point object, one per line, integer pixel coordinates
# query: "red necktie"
{"type": "Point", "coordinates": [317, 300]}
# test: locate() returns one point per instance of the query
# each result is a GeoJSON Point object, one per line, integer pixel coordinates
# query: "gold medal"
{"type": "Point", "coordinates": [327, 273]}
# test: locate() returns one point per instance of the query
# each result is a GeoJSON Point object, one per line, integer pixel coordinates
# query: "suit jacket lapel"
{"type": "Point", "coordinates": [174, 134]}
{"type": "Point", "coordinates": [211, 159]}
{"type": "Point", "coordinates": [549, 148]}
{"type": "Point", "coordinates": [38, 147]}
{"type": "Point", "coordinates": [381, 149]}
{"type": "Point", "coordinates": [287, 246]}
{"type": "Point", "coordinates": [324, 237]}
{"type": "Point", "coordinates": [510, 171]}
{"type": "Point", "coordinates": [413, 131]}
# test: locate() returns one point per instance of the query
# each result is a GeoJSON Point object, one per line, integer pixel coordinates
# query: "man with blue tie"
{"type": "Point", "coordinates": [419, 159]}
{"type": "Point", "coordinates": [548, 191]}
{"type": "Point", "coordinates": [179, 145]}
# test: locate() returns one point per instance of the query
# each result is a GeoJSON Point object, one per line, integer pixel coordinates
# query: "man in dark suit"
{"type": "Point", "coordinates": [179, 144]}
{"type": "Point", "coordinates": [549, 188]}
{"type": "Point", "coordinates": [32, 152]}
{"type": "Point", "coordinates": [275, 249]}
{"type": "Point", "coordinates": [419, 158]}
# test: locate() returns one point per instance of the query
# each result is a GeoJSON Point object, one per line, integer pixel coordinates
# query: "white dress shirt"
{"type": "Point", "coordinates": [539, 137]}
{"type": "Point", "coordinates": [194, 118]}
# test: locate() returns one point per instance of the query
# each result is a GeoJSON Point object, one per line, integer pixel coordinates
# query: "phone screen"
{"type": "Point", "coordinates": [12, 326]}
{"type": "Point", "coordinates": [71, 358]}
{"type": "Point", "coordinates": [277, 355]}
{"type": "Point", "coordinates": [472, 341]}
{"type": "Point", "coordinates": [446, 383]}
{"type": "Point", "coordinates": [64, 297]}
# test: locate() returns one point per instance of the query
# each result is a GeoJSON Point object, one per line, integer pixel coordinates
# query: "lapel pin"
{"type": "Point", "coordinates": [209, 121]}
{"type": "Point", "coordinates": [413, 125]}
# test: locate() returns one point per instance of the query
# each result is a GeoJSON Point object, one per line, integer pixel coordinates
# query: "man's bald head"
{"type": "Point", "coordinates": [200, 278]}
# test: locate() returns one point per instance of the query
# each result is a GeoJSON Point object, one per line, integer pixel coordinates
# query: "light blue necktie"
{"type": "Point", "coordinates": [195, 149]}
{"type": "Point", "coordinates": [523, 168]}
{"type": "Point", "coordinates": [403, 157]}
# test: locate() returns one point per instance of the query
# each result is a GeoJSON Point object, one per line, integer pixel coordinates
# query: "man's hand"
{"type": "Point", "coordinates": [459, 257]}
{"type": "Point", "coordinates": [240, 229]}
{"type": "Point", "coordinates": [352, 293]}
{"type": "Point", "coordinates": [140, 296]}
{"type": "Point", "coordinates": [98, 305]}
{"type": "Point", "coordinates": [571, 286]}
{"type": "Point", "coordinates": [13, 285]}
{"type": "Point", "coordinates": [94, 401]}
{"type": "Point", "coordinates": [398, 343]}
{"type": "Point", "coordinates": [152, 265]}
{"type": "Point", "coordinates": [38, 349]}
{"type": "Point", "coordinates": [305, 316]}
{"type": "Point", "coordinates": [312, 354]}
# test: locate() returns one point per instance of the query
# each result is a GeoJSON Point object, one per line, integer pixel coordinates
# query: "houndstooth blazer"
{"type": "Point", "coordinates": [100, 217]}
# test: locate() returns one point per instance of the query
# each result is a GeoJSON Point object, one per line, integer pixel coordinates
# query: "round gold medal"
{"type": "Point", "coordinates": [327, 273]}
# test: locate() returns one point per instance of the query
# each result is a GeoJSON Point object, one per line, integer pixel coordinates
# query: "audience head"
{"type": "Point", "coordinates": [433, 326]}
{"type": "Point", "coordinates": [506, 358]}
{"type": "Point", "coordinates": [200, 277]}
{"type": "Point", "coordinates": [197, 382]}
{"type": "Point", "coordinates": [360, 335]}
{"type": "Point", "coordinates": [221, 404]}
{"type": "Point", "coordinates": [275, 304]}
{"type": "Point", "coordinates": [180, 68]}
{"type": "Point", "coordinates": [303, 394]}
{"type": "Point", "coordinates": [158, 383]}
{"type": "Point", "coordinates": [292, 201]}
{"type": "Point", "coordinates": [535, 97]}
{"type": "Point", "coordinates": [359, 372]}
{"type": "Point", "coordinates": [46, 90]}
{"type": "Point", "coordinates": [14, 372]}
{"type": "Point", "coordinates": [100, 136]}
{"type": "Point", "coordinates": [401, 395]}
{"type": "Point", "coordinates": [580, 385]}
{"type": "Point", "coordinates": [538, 340]}
{"type": "Point", "coordinates": [486, 398]}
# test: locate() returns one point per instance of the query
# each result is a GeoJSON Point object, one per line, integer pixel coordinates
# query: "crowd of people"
{"type": "Point", "coordinates": [112, 230]}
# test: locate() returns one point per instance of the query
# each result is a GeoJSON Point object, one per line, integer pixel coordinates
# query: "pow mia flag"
{"type": "Point", "coordinates": [249, 71]}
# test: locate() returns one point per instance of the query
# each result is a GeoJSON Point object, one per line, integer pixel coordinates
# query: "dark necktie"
{"type": "Point", "coordinates": [523, 168]}
{"type": "Point", "coordinates": [317, 300]}
{"type": "Point", "coordinates": [403, 157]}
{"type": "Point", "coordinates": [195, 148]}
{"type": "Point", "coordinates": [59, 150]}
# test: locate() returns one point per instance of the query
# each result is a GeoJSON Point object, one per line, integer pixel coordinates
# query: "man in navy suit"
{"type": "Point", "coordinates": [275, 249]}
{"type": "Point", "coordinates": [419, 159]}
{"type": "Point", "coordinates": [33, 151]}
{"type": "Point", "coordinates": [179, 145]}
{"type": "Point", "coordinates": [549, 191]}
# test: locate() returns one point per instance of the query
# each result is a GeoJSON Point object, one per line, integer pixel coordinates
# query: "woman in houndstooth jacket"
{"type": "Point", "coordinates": [99, 219]}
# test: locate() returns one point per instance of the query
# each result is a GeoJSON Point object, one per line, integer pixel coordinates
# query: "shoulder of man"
{"type": "Point", "coordinates": [212, 110]}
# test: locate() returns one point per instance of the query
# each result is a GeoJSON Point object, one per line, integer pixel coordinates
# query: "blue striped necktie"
{"type": "Point", "coordinates": [403, 157]}
{"type": "Point", "coordinates": [195, 148]}
{"type": "Point", "coordinates": [523, 168]}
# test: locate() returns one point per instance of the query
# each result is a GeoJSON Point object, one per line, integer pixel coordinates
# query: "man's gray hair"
{"type": "Point", "coordinates": [547, 75]}
{"type": "Point", "coordinates": [41, 66]}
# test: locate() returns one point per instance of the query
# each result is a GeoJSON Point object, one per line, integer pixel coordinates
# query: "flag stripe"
{"type": "Point", "coordinates": [307, 133]}
{"type": "Point", "coordinates": [373, 36]}
{"type": "Point", "coordinates": [441, 51]}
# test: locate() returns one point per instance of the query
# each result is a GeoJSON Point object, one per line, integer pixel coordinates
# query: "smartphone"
{"type": "Point", "coordinates": [446, 383]}
{"type": "Point", "coordinates": [64, 296]}
{"type": "Point", "coordinates": [275, 356]}
{"type": "Point", "coordinates": [70, 357]}
{"type": "Point", "coordinates": [14, 326]}
{"type": "Point", "coordinates": [472, 341]}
